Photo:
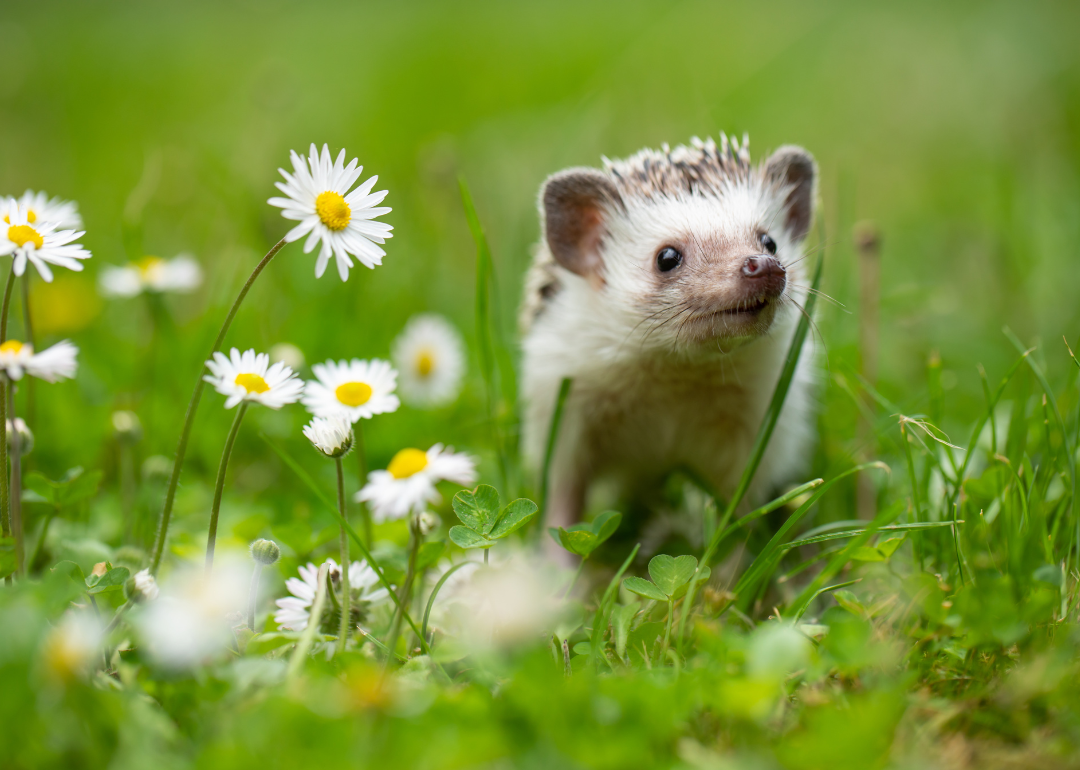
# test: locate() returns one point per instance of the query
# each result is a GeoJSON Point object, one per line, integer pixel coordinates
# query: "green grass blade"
{"type": "Point", "coordinates": [772, 414]}
{"type": "Point", "coordinates": [603, 610]}
{"type": "Point", "coordinates": [860, 530]}
{"type": "Point", "coordinates": [435, 592]}
{"type": "Point", "coordinates": [549, 450]}
{"type": "Point", "coordinates": [484, 327]}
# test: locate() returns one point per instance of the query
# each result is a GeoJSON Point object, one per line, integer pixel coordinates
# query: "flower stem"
{"type": "Point", "coordinates": [667, 629]}
{"type": "Point", "coordinates": [346, 597]}
{"type": "Point", "coordinates": [16, 487]}
{"type": "Point", "coordinates": [253, 594]}
{"type": "Point", "coordinates": [361, 469]}
{"type": "Point", "coordinates": [220, 485]}
{"type": "Point", "coordinates": [406, 586]}
{"type": "Point", "coordinates": [193, 406]}
{"type": "Point", "coordinates": [5, 503]}
{"type": "Point", "coordinates": [28, 331]}
{"type": "Point", "coordinates": [296, 662]}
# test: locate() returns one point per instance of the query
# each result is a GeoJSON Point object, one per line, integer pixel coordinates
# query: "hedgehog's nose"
{"type": "Point", "coordinates": [765, 271]}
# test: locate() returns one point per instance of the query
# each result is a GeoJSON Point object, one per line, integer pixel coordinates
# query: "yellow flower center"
{"type": "Point", "coordinates": [252, 383]}
{"type": "Point", "coordinates": [31, 217]}
{"type": "Point", "coordinates": [20, 235]}
{"type": "Point", "coordinates": [353, 393]}
{"type": "Point", "coordinates": [11, 346]}
{"type": "Point", "coordinates": [407, 462]}
{"type": "Point", "coordinates": [146, 264]}
{"type": "Point", "coordinates": [333, 210]}
{"type": "Point", "coordinates": [425, 363]}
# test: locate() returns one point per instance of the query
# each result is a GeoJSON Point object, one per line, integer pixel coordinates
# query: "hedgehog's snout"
{"type": "Point", "coordinates": [765, 274]}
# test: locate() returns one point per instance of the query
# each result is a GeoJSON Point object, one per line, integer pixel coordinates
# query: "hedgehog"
{"type": "Point", "coordinates": [667, 287]}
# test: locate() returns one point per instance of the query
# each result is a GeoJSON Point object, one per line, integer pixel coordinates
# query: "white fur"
{"type": "Point", "coordinates": [645, 398]}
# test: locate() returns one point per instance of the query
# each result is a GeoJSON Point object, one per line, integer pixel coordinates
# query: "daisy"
{"type": "Point", "coordinates": [408, 483]}
{"type": "Point", "coordinates": [319, 198]}
{"type": "Point", "coordinates": [359, 389]}
{"type": "Point", "coordinates": [52, 364]}
{"type": "Point", "coordinates": [333, 435]}
{"type": "Point", "coordinates": [38, 242]}
{"type": "Point", "coordinates": [430, 355]}
{"type": "Point", "coordinates": [40, 208]}
{"type": "Point", "coordinates": [180, 274]}
{"type": "Point", "coordinates": [145, 586]}
{"type": "Point", "coordinates": [294, 612]}
{"type": "Point", "coordinates": [73, 645]}
{"type": "Point", "coordinates": [248, 376]}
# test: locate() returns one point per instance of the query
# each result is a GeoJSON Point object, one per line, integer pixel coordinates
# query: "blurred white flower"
{"type": "Point", "coordinates": [359, 389]}
{"type": "Point", "coordinates": [52, 364]}
{"type": "Point", "coordinates": [249, 376]}
{"type": "Point", "coordinates": [40, 208]}
{"type": "Point", "coordinates": [430, 355]}
{"type": "Point", "coordinates": [505, 605]}
{"type": "Point", "coordinates": [189, 622]}
{"type": "Point", "coordinates": [333, 435]}
{"type": "Point", "coordinates": [145, 585]}
{"type": "Point", "coordinates": [288, 354]}
{"type": "Point", "coordinates": [180, 274]}
{"type": "Point", "coordinates": [294, 612]}
{"type": "Point", "coordinates": [408, 483]}
{"type": "Point", "coordinates": [38, 243]}
{"type": "Point", "coordinates": [72, 645]}
{"type": "Point", "coordinates": [319, 197]}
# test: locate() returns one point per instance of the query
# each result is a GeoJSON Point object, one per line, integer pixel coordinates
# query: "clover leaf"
{"type": "Point", "coordinates": [483, 522]}
{"type": "Point", "coordinates": [584, 538]}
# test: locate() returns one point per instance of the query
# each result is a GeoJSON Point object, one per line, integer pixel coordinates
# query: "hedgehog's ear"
{"type": "Point", "coordinates": [794, 170]}
{"type": "Point", "coordinates": [575, 204]}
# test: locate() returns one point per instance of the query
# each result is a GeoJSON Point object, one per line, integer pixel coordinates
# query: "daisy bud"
{"type": "Point", "coordinates": [428, 522]}
{"type": "Point", "coordinates": [127, 427]}
{"type": "Point", "coordinates": [265, 552]}
{"type": "Point", "coordinates": [333, 435]}
{"type": "Point", "coordinates": [288, 354]}
{"type": "Point", "coordinates": [26, 437]}
{"type": "Point", "coordinates": [142, 587]}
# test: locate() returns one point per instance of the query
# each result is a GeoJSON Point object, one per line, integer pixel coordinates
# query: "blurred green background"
{"type": "Point", "coordinates": [955, 127]}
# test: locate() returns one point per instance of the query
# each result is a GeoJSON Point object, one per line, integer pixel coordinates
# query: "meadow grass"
{"type": "Point", "coordinates": [913, 603]}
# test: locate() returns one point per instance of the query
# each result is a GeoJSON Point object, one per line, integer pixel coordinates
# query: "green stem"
{"type": "Point", "coordinates": [41, 538]}
{"type": "Point", "coordinates": [361, 470]}
{"type": "Point", "coordinates": [406, 585]}
{"type": "Point", "coordinates": [16, 487]}
{"type": "Point", "coordinates": [577, 574]}
{"type": "Point", "coordinates": [28, 330]}
{"type": "Point", "coordinates": [219, 486]}
{"type": "Point", "coordinates": [549, 450]}
{"type": "Point", "coordinates": [296, 662]}
{"type": "Point", "coordinates": [253, 595]}
{"type": "Point", "coordinates": [346, 597]}
{"type": "Point", "coordinates": [5, 503]}
{"type": "Point", "coordinates": [193, 406]}
{"type": "Point", "coordinates": [127, 489]}
{"type": "Point", "coordinates": [667, 629]}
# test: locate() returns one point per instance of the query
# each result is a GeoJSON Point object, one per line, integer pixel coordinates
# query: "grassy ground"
{"type": "Point", "coordinates": [954, 128]}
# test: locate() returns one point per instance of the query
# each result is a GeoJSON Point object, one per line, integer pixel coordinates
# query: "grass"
{"type": "Point", "coordinates": [939, 629]}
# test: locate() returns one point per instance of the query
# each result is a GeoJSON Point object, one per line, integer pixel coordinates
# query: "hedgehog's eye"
{"type": "Point", "coordinates": [768, 243]}
{"type": "Point", "coordinates": [668, 259]}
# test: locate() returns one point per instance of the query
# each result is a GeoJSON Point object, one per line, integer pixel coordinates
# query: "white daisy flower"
{"type": "Point", "coordinates": [180, 274]}
{"type": "Point", "coordinates": [333, 435]}
{"type": "Point", "coordinates": [408, 483]}
{"type": "Point", "coordinates": [39, 242]}
{"type": "Point", "coordinates": [430, 355]}
{"type": "Point", "coordinates": [294, 612]}
{"type": "Point", "coordinates": [40, 208]}
{"type": "Point", "coordinates": [319, 197]}
{"type": "Point", "coordinates": [249, 376]}
{"type": "Point", "coordinates": [73, 645]}
{"type": "Point", "coordinates": [52, 364]}
{"type": "Point", "coordinates": [145, 585]}
{"type": "Point", "coordinates": [358, 388]}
